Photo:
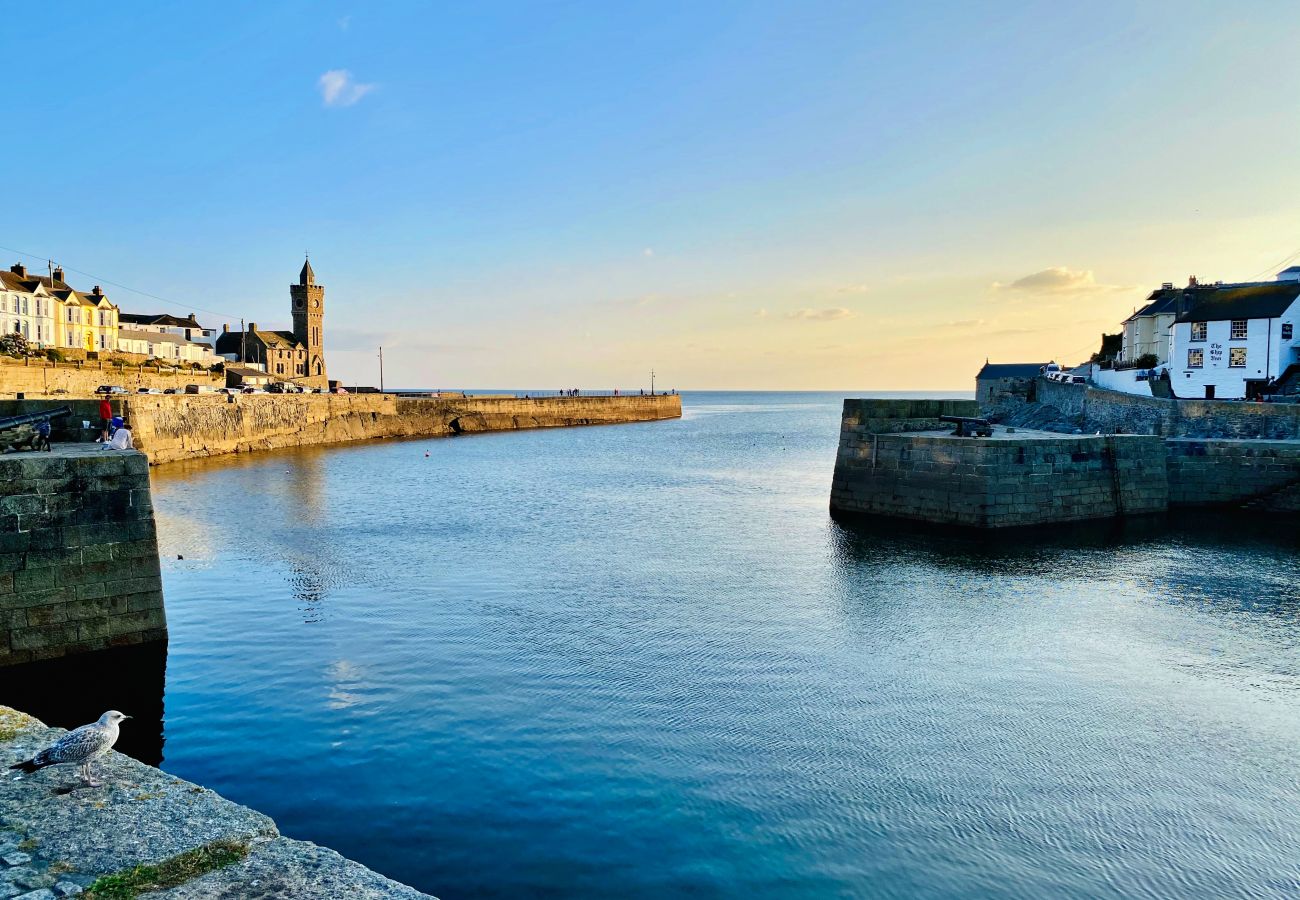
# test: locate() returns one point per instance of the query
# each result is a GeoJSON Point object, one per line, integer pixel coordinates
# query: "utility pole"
{"type": "Point", "coordinates": [243, 343]}
{"type": "Point", "coordinates": [381, 370]}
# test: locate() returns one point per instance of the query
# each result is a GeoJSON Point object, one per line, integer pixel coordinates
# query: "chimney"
{"type": "Point", "coordinates": [58, 274]}
{"type": "Point", "coordinates": [225, 328]}
{"type": "Point", "coordinates": [19, 269]}
{"type": "Point", "coordinates": [97, 291]}
{"type": "Point", "coordinates": [252, 326]}
{"type": "Point", "coordinates": [1191, 281]}
{"type": "Point", "coordinates": [1167, 286]}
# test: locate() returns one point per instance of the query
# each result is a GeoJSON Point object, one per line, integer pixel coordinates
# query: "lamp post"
{"type": "Point", "coordinates": [652, 382]}
{"type": "Point", "coordinates": [381, 370]}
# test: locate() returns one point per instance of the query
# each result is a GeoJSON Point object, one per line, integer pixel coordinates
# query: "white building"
{"type": "Point", "coordinates": [1231, 341]}
{"type": "Point", "coordinates": [164, 323]}
{"type": "Point", "coordinates": [169, 347]}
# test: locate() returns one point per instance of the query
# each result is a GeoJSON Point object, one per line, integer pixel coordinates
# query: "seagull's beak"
{"type": "Point", "coordinates": [125, 716]}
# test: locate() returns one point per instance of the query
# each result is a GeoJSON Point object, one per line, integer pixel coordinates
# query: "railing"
{"type": "Point", "coordinates": [534, 395]}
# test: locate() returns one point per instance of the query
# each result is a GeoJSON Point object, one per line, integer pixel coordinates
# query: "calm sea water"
{"type": "Point", "coordinates": [642, 661]}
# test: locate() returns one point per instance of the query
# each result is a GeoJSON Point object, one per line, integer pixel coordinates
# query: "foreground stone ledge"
{"type": "Point", "coordinates": [54, 831]}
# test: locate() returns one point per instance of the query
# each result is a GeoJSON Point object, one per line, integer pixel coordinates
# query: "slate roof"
{"type": "Point", "coordinates": [1163, 300]}
{"type": "Point", "coordinates": [229, 341]}
{"type": "Point", "coordinates": [1257, 300]}
{"type": "Point", "coordinates": [1010, 370]}
{"type": "Point", "coordinates": [166, 319]}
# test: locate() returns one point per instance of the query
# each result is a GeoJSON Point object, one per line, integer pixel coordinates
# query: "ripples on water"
{"type": "Point", "coordinates": [641, 661]}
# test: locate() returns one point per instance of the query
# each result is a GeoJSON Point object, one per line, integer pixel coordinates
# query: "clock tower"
{"type": "Point", "coordinates": [308, 299]}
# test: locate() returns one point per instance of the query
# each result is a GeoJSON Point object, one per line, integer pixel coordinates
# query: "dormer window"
{"type": "Point", "coordinates": [1198, 331]}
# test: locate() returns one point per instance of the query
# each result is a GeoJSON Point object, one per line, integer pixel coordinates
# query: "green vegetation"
{"type": "Point", "coordinates": [128, 884]}
{"type": "Point", "coordinates": [54, 355]}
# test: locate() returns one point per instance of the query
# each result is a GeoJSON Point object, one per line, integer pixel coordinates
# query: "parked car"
{"type": "Point", "coordinates": [340, 390]}
{"type": "Point", "coordinates": [111, 389]}
{"type": "Point", "coordinates": [1077, 379]}
{"type": "Point", "coordinates": [197, 389]}
{"type": "Point", "coordinates": [252, 390]}
{"type": "Point", "coordinates": [172, 391]}
{"type": "Point", "coordinates": [283, 387]}
{"type": "Point", "coordinates": [147, 390]}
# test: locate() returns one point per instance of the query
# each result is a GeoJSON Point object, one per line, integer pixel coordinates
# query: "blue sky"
{"type": "Point", "coordinates": [758, 195]}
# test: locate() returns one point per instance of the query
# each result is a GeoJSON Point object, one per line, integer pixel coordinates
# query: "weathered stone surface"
{"type": "Point", "coordinates": [284, 869]}
{"type": "Point", "coordinates": [141, 815]}
{"type": "Point", "coordinates": [88, 575]}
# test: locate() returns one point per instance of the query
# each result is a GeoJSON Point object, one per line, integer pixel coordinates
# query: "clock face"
{"type": "Point", "coordinates": [298, 304]}
{"type": "Point", "coordinates": [315, 303]}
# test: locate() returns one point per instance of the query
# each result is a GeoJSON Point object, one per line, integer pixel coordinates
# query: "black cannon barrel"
{"type": "Point", "coordinates": [30, 418]}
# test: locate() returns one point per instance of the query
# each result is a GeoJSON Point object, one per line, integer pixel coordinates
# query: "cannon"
{"type": "Point", "coordinates": [969, 427]}
{"type": "Point", "coordinates": [33, 440]}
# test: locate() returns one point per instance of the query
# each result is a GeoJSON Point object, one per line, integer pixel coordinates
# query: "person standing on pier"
{"type": "Point", "coordinates": [106, 418]}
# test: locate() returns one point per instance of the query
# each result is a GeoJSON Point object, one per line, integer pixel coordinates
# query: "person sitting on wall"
{"type": "Point", "coordinates": [121, 439]}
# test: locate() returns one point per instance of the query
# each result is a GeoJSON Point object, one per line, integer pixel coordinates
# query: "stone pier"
{"type": "Point", "coordinates": [147, 832]}
{"type": "Point", "coordinates": [78, 553]}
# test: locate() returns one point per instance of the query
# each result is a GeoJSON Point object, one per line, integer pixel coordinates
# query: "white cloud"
{"type": "Point", "coordinates": [339, 88]}
{"type": "Point", "coordinates": [1056, 280]}
{"type": "Point", "coordinates": [648, 251]}
{"type": "Point", "coordinates": [852, 289]}
{"type": "Point", "coordinates": [821, 315]}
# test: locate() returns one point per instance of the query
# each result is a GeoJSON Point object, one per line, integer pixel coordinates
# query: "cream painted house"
{"type": "Point", "coordinates": [47, 311]}
{"type": "Point", "coordinates": [1147, 330]}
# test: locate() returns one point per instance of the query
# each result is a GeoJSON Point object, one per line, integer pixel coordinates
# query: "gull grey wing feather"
{"type": "Point", "coordinates": [76, 746]}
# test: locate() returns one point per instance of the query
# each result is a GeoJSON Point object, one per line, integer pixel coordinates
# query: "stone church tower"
{"type": "Point", "coordinates": [308, 314]}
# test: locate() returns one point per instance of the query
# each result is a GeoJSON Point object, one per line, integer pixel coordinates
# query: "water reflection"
{"type": "Point", "coordinates": [77, 689]}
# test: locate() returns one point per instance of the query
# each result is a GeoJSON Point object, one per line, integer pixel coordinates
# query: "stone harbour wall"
{"type": "Point", "coordinates": [997, 483]}
{"type": "Point", "coordinates": [79, 564]}
{"type": "Point", "coordinates": [176, 427]}
{"type": "Point", "coordinates": [1263, 474]}
{"type": "Point", "coordinates": [874, 416]}
{"type": "Point", "coordinates": [42, 379]}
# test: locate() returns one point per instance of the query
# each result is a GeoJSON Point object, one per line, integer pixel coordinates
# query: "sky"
{"type": "Point", "coordinates": [801, 196]}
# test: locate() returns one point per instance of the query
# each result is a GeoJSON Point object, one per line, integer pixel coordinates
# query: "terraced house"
{"type": "Point", "coordinates": [49, 312]}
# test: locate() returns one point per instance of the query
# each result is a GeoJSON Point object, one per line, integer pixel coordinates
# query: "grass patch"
{"type": "Point", "coordinates": [179, 869]}
{"type": "Point", "coordinates": [12, 722]}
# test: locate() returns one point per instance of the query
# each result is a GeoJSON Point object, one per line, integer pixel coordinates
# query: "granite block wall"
{"type": "Point", "coordinates": [1233, 473]}
{"type": "Point", "coordinates": [175, 427]}
{"type": "Point", "coordinates": [38, 378]}
{"type": "Point", "coordinates": [882, 416]}
{"type": "Point", "coordinates": [992, 483]}
{"type": "Point", "coordinates": [78, 554]}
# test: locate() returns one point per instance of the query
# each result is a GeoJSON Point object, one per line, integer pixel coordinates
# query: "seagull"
{"type": "Point", "coordinates": [81, 746]}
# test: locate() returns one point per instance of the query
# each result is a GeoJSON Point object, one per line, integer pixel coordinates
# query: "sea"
{"type": "Point", "coordinates": [644, 661]}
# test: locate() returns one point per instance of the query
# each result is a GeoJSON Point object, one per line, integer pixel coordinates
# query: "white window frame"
{"type": "Point", "coordinates": [1233, 334]}
{"type": "Point", "coordinates": [1233, 353]}
{"type": "Point", "coordinates": [1205, 329]}
{"type": "Point", "coordinates": [1200, 358]}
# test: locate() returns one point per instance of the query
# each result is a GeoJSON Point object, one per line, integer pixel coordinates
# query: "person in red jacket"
{"type": "Point", "coordinates": [105, 413]}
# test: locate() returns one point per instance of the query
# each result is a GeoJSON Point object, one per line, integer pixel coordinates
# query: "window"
{"type": "Point", "coordinates": [279, 368]}
{"type": "Point", "coordinates": [1286, 331]}
{"type": "Point", "coordinates": [1236, 357]}
{"type": "Point", "coordinates": [1198, 331]}
{"type": "Point", "coordinates": [1238, 329]}
{"type": "Point", "coordinates": [1195, 358]}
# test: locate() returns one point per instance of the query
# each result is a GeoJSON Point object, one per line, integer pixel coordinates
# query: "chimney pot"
{"type": "Point", "coordinates": [19, 269]}
{"type": "Point", "coordinates": [1191, 281]}
{"type": "Point", "coordinates": [58, 273]}
{"type": "Point", "coordinates": [225, 327]}
{"type": "Point", "coordinates": [97, 291]}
